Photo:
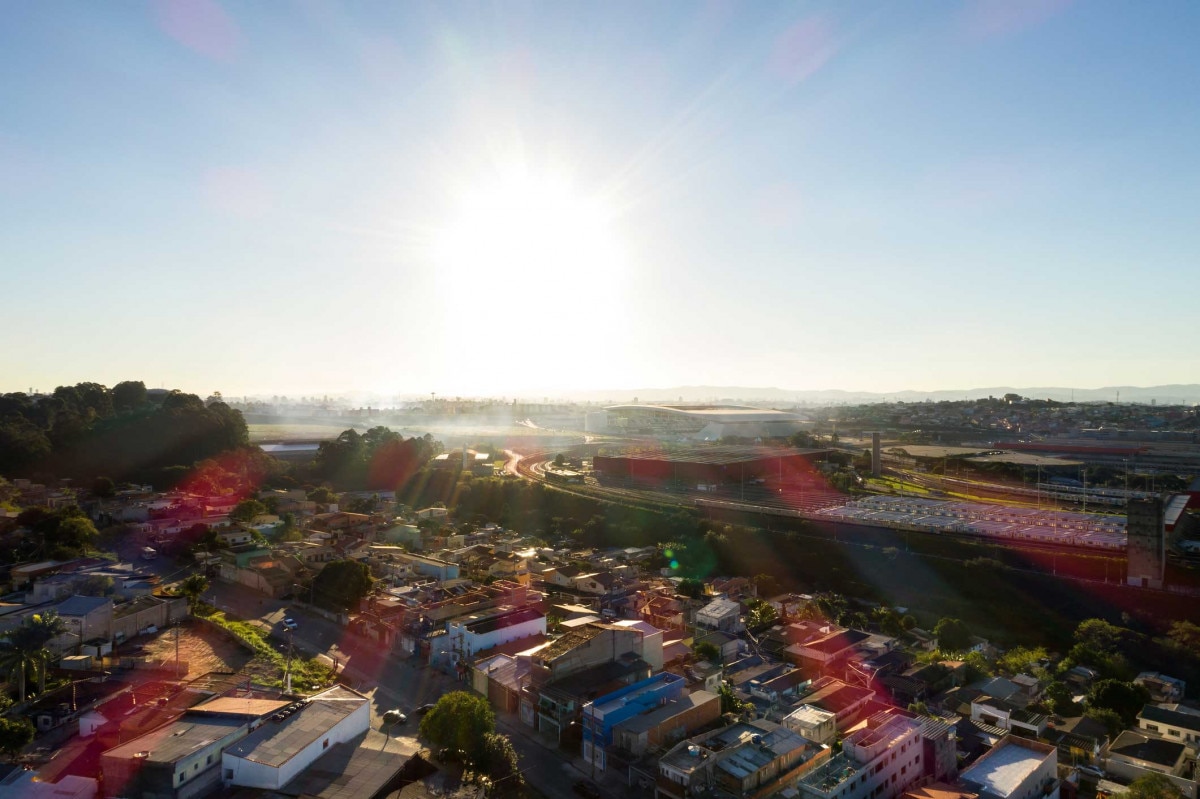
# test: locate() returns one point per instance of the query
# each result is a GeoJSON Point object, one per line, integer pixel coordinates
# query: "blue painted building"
{"type": "Point", "coordinates": [602, 714]}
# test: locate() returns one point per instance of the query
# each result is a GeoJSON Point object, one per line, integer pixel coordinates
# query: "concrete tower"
{"type": "Point", "coordinates": [1147, 547]}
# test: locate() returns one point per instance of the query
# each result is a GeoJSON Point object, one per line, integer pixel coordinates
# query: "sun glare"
{"type": "Point", "coordinates": [526, 241]}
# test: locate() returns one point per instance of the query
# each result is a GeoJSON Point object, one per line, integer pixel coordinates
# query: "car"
{"type": "Point", "coordinates": [586, 789]}
{"type": "Point", "coordinates": [394, 717]}
{"type": "Point", "coordinates": [290, 623]}
{"type": "Point", "coordinates": [423, 709]}
{"type": "Point", "coordinates": [1092, 771]}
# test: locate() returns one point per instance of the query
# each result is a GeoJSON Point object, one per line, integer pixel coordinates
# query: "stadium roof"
{"type": "Point", "coordinates": [716, 454]}
{"type": "Point", "coordinates": [716, 413]}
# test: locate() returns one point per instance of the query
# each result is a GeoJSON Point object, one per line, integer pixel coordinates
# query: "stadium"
{"type": "Point", "coordinates": [707, 466]}
{"type": "Point", "coordinates": [702, 422]}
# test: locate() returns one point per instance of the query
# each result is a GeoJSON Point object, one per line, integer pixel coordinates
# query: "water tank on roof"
{"type": "Point", "coordinates": [756, 740]}
{"type": "Point", "coordinates": [693, 750]}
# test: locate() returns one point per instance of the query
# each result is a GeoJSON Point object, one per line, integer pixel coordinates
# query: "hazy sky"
{"type": "Point", "coordinates": [511, 197]}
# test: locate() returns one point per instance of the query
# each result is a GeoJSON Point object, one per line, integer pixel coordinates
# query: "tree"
{"type": "Point", "coordinates": [1125, 698]}
{"type": "Point", "coordinates": [321, 495]}
{"type": "Point", "coordinates": [1100, 636]}
{"type": "Point", "coordinates": [341, 585]}
{"type": "Point", "coordinates": [103, 487]}
{"type": "Point", "coordinates": [247, 510]}
{"type": "Point", "coordinates": [15, 735]}
{"type": "Point", "coordinates": [128, 396]}
{"type": "Point", "coordinates": [460, 721]}
{"type": "Point", "coordinates": [730, 703]}
{"type": "Point", "coordinates": [760, 613]}
{"type": "Point", "coordinates": [193, 587]}
{"type": "Point", "coordinates": [559, 459]}
{"type": "Point", "coordinates": [1061, 699]}
{"type": "Point", "coordinates": [499, 761]}
{"type": "Point", "coordinates": [952, 635]}
{"type": "Point", "coordinates": [1111, 720]}
{"type": "Point", "coordinates": [1151, 786]}
{"type": "Point", "coordinates": [692, 588]}
{"type": "Point", "coordinates": [1019, 660]}
{"type": "Point", "coordinates": [24, 649]}
{"type": "Point", "coordinates": [766, 585]}
{"type": "Point", "coordinates": [706, 651]}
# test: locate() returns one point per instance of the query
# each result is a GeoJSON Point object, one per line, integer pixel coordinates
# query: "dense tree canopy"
{"type": "Point", "coordinates": [341, 584]}
{"type": "Point", "coordinates": [87, 430]}
{"type": "Point", "coordinates": [377, 459]}
{"type": "Point", "coordinates": [460, 720]}
{"type": "Point", "coordinates": [952, 635]}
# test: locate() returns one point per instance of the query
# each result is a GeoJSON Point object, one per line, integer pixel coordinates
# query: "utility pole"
{"type": "Point", "coordinates": [287, 669]}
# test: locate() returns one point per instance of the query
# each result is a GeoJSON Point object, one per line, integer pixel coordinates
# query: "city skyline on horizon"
{"type": "Point", "coordinates": [537, 200]}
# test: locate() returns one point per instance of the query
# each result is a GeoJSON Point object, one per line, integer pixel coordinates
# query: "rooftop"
{"type": "Point", "coordinates": [648, 721]}
{"type": "Point", "coordinates": [1137, 746]}
{"type": "Point", "coordinates": [177, 740]}
{"type": "Point", "coordinates": [713, 455]}
{"type": "Point", "coordinates": [1002, 770]}
{"type": "Point", "coordinates": [276, 742]}
{"type": "Point", "coordinates": [1162, 715]}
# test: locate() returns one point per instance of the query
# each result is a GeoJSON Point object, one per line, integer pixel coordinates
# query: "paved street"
{"type": "Point", "coordinates": [392, 681]}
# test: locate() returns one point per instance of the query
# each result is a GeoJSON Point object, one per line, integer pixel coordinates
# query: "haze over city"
{"type": "Point", "coordinates": [529, 199]}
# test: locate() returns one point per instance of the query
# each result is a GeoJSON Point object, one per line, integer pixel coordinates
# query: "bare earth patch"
{"type": "Point", "coordinates": [204, 650]}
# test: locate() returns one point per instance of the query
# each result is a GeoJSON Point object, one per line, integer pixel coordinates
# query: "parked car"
{"type": "Point", "coordinates": [394, 717]}
{"type": "Point", "coordinates": [290, 623]}
{"type": "Point", "coordinates": [586, 789]}
{"type": "Point", "coordinates": [423, 709]}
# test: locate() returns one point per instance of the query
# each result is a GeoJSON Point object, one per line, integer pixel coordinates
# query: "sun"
{"type": "Point", "coordinates": [526, 240]}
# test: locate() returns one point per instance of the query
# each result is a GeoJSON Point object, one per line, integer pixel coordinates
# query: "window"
{"type": "Point", "coordinates": [904, 769]}
{"type": "Point", "coordinates": [208, 760]}
{"type": "Point", "coordinates": [1173, 733]}
{"type": "Point", "coordinates": [182, 776]}
{"type": "Point", "coordinates": [1152, 727]}
{"type": "Point", "coordinates": [228, 773]}
{"type": "Point", "coordinates": [325, 745]}
{"type": "Point", "coordinates": [196, 766]}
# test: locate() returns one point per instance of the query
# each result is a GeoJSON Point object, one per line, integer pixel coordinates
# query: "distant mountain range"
{"type": "Point", "coordinates": [1178, 394]}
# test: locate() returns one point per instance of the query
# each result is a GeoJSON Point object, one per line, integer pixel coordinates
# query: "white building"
{"type": "Point", "coordinates": [281, 748]}
{"type": "Point", "coordinates": [470, 635]}
{"type": "Point", "coordinates": [1015, 768]}
{"type": "Point", "coordinates": [875, 763]}
{"type": "Point", "coordinates": [720, 614]}
{"type": "Point", "coordinates": [813, 723]}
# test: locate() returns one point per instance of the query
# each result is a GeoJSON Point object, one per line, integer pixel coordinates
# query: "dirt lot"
{"type": "Point", "coordinates": [203, 649]}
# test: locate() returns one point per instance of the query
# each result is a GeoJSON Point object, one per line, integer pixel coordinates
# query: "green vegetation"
{"type": "Point", "coordinates": [23, 650]}
{"type": "Point", "coordinates": [952, 635]}
{"type": "Point", "coordinates": [464, 724]}
{"type": "Point", "coordinates": [87, 431]}
{"type": "Point", "coordinates": [341, 585]}
{"type": "Point", "coordinates": [305, 672]}
{"type": "Point", "coordinates": [15, 735]}
{"type": "Point", "coordinates": [1151, 786]}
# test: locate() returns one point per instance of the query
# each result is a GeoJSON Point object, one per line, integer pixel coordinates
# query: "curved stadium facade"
{"type": "Point", "coordinates": [703, 422]}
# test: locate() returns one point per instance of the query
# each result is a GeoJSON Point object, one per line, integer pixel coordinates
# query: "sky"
{"type": "Point", "coordinates": [513, 198]}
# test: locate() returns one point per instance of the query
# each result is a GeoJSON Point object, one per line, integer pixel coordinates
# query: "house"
{"type": "Point", "coordinates": [480, 631]}
{"type": "Point", "coordinates": [721, 614]}
{"type": "Point", "coordinates": [598, 583]}
{"type": "Point", "coordinates": [1166, 722]}
{"type": "Point", "coordinates": [666, 724]}
{"type": "Point", "coordinates": [813, 723]}
{"type": "Point", "coordinates": [1161, 687]}
{"type": "Point", "coordinates": [725, 644]}
{"type": "Point", "coordinates": [179, 760]}
{"type": "Point", "coordinates": [235, 537]}
{"type": "Point", "coordinates": [1134, 754]}
{"type": "Point", "coordinates": [998, 713]}
{"type": "Point", "coordinates": [846, 702]}
{"type": "Point", "coordinates": [1016, 768]}
{"type": "Point", "coordinates": [602, 714]}
{"type": "Point", "coordinates": [130, 618]}
{"type": "Point", "coordinates": [752, 759]}
{"type": "Point", "coordinates": [291, 741]}
{"type": "Point", "coordinates": [818, 655]}
{"type": "Point", "coordinates": [86, 618]}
